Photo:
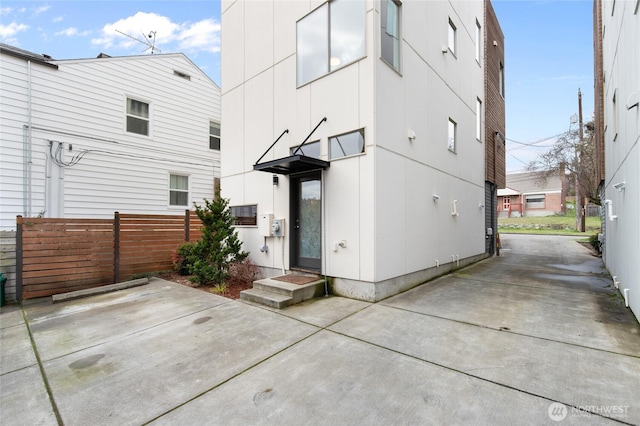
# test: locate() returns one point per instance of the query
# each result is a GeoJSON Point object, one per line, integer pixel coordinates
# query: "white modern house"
{"type": "Point", "coordinates": [617, 64]}
{"type": "Point", "coordinates": [385, 102]}
{"type": "Point", "coordinates": [87, 137]}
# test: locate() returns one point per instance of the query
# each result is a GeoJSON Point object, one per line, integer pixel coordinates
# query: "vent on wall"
{"type": "Point", "coordinates": [182, 75]}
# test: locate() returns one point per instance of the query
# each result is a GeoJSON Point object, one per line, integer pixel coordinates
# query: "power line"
{"type": "Point", "coordinates": [534, 144]}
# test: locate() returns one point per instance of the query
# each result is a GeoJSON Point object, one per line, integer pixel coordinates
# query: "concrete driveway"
{"type": "Point", "coordinates": [536, 336]}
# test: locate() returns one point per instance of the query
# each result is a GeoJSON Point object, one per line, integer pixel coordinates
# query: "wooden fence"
{"type": "Point", "coordinates": [61, 255]}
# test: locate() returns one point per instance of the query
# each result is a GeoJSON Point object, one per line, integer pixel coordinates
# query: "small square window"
{"type": "Point", "coordinates": [347, 144]}
{"type": "Point", "coordinates": [451, 139]}
{"type": "Point", "coordinates": [309, 149]}
{"type": "Point", "coordinates": [178, 190]}
{"type": "Point", "coordinates": [214, 135]}
{"type": "Point", "coordinates": [245, 215]}
{"type": "Point", "coordinates": [478, 119]}
{"type": "Point", "coordinates": [479, 44]}
{"type": "Point", "coordinates": [137, 117]}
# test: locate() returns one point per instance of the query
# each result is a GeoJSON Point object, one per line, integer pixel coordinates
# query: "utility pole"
{"type": "Point", "coordinates": [579, 218]}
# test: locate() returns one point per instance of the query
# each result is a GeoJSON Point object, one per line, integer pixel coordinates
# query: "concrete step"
{"type": "Point", "coordinates": [280, 293]}
{"type": "Point", "coordinates": [266, 298]}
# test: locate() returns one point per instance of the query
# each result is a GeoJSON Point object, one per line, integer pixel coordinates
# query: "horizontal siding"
{"type": "Point", "coordinates": [83, 104]}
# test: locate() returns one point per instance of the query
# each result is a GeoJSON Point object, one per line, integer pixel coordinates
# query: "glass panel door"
{"type": "Point", "coordinates": [307, 221]}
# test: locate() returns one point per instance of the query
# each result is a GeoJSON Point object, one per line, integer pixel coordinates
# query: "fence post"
{"type": "Point", "coordinates": [19, 258]}
{"type": "Point", "coordinates": [116, 247]}
{"type": "Point", "coordinates": [187, 225]}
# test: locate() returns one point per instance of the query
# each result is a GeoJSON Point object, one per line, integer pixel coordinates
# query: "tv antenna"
{"type": "Point", "coordinates": [149, 41]}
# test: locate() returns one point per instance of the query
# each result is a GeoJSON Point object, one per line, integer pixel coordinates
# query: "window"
{"type": "Point", "coordinates": [179, 190]}
{"type": "Point", "coordinates": [329, 38]}
{"type": "Point", "coordinates": [614, 115]}
{"type": "Point", "coordinates": [501, 80]}
{"type": "Point", "coordinates": [137, 117]}
{"type": "Point", "coordinates": [310, 149]}
{"type": "Point", "coordinates": [451, 140]}
{"type": "Point", "coordinates": [479, 119]}
{"type": "Point", "coordinates": [479, 44]}
{"type": "Point", "coordinates": [214, 135]}
{"type": "Point", "coordinates": [245, 215]}
{"type": "Point", "coordinates": [452, 37]}
{"type": "Point", "coordinates": [347, 144]}
{"type": "Point", "coordinates": [390, 33]}
{"type": "Point", "coordinates": [534, 201]}
{"type": "Point", "coordinates": [506, 202]}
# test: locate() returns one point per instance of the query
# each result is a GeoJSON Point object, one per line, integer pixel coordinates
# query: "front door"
{"type": "Point", "coordinates": [306, 221]}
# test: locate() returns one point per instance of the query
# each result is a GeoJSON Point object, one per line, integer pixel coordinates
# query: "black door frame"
{"type": "Point", "coordinates": [295, 260]}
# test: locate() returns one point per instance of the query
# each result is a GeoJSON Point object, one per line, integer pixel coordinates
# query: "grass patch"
{"type": "Point", "coordinates": [548, 225]}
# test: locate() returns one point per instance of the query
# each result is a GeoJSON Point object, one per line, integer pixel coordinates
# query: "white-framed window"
{"type": "Point", "coordinates": [479, 43]}
{"type": "Point", "coordinates": [451, 39]}
{"type": "Point", "coordinates": [214, 135]}
{"type": "Point", "coordinates": [329, 38]}
{"type": "Point", "coordinates": [390, 32]}
{"type": "Point", "coordinates": [534, 201]}
{"type": "Point", "coordinates": [451, 135]}
{"type": "Point", "coordinates": [478, 119]}
{"type": "Point", "coordinates": [346, 144]}
{"type": "Point", "coordinates": [178, 190]}
{"type": "Point", "coordinates": [137, 117]}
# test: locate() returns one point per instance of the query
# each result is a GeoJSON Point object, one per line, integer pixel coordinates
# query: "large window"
{"type": "Point", "coordinates": [137, 117]}
{"type": "Point", "coordinates": [452, 37]}
{"type": "Point", "coordinates": [178, 190]}
{"type": "Point", "coordinates": [347, 144]}
{"type": "Point", "coordinates": [534, 201]}
{"type": "Point", "coordinates": [451, 136]}
{"type": "Point", "coordinates": [329, 38]}
{"type": "Point", "coordinates": [390, 33]}
{"type": "Point", "coordinates": [214, 135]}
{"type": "Point", "coordinates": [245, 215]}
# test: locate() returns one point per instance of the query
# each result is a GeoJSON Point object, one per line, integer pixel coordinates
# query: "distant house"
{"type": "Point", "coordinates": [526, 194]}
{"type": "Point", "coordinates": [87, 137]}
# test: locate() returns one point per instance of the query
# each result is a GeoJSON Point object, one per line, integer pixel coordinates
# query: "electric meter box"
{"type": "Point", "coordinates": [264, 224]}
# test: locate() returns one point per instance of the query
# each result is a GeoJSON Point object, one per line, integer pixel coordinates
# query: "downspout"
{"type": "Point", "coordinates": [26, 152]}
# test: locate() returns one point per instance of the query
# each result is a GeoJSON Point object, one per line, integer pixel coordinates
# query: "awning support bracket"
{"type": "Point", "coordinates": [275, 142]}
{"type": "Point", "coordinates": [307, 138]}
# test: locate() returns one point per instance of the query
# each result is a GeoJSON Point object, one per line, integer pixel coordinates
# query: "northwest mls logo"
{"type": "Point", "coordinates": [557, 412]}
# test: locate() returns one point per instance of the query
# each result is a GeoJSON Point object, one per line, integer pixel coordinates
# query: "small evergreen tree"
{"type": "Point", "coordinates": [209, 259]}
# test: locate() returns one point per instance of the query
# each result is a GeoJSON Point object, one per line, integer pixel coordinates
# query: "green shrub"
{"type": "Point", "coordinates": [209, 258]}
{"type": "Point", "coordinates": [595, 242]}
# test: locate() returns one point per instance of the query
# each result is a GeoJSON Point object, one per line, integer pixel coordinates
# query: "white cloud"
{"type": "Point", "coordinates": [41, 9]}
{"type": "Point", "coordinates": [12, 29]}
{"type": "Point", "coordinates": [170, 36]}
{"type": "Point", "coordinates": [70, 32]}
{"type": "Point", "coordinates": [5, 10]}
{"type": "Point", "coordinates": [203, 35]}
{"type": "Point", "coordinates": [58, 19]}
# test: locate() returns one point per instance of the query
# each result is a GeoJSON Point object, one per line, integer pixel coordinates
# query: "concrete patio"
{"type": "Point", "coordinates": [535, 336]}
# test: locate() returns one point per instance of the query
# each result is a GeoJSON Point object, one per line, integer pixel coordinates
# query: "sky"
{"type": "Point", "coordinates": [548, 50]}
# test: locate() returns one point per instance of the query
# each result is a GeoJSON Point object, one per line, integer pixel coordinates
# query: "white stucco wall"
{"type": "Point", "coordinates": [621, 60]}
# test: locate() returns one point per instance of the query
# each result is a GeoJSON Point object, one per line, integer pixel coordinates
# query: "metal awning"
{"type": "Point", "coordinates": [296, 163]}
{"type": "Point", "coordinates": [292, 164]}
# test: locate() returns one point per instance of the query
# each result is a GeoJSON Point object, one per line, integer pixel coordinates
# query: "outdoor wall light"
{"type": "Point", "coordinates": [435, 197]}
{"type": "Point", "coordinates": [275, 180]}
{"type": "Point", "coordinates": [620, 186]}
{"type": "Point", "coordinates": [411, 135]}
